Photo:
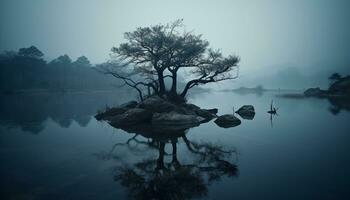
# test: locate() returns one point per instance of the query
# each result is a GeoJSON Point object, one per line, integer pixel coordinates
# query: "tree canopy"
{"type": "Point", "coordinates": [31, 51]}
{"type": "Point", "coordinates": [157, 52]}
{"type": "Point", "coordinates": [334, 77]}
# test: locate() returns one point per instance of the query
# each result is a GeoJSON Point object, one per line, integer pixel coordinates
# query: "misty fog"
{"type": "Point", "coordinates": [174, 100]}
{"type": "Point", "coordinates": [272, 38]}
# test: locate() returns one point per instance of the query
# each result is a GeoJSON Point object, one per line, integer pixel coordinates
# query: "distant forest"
{"type": "Point", "coordinates": [27, 70]}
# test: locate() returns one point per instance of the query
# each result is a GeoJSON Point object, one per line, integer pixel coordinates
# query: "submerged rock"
{"type": "Point", "coordinates": [246, 112]}
{"type": "Point", "coordinates": [227, 121]}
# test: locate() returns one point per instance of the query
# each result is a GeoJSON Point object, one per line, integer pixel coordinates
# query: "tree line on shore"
{"type": "Point", "coordinates": [26, 69]}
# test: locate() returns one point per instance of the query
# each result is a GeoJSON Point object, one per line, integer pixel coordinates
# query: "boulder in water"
{"type": "Point", "coordinates": [227, 121]}
{"type": "Point", "coordinates": [246, 112]}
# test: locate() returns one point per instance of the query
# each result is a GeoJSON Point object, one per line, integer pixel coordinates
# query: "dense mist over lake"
{"type": "Point", "coordinates": [270, 36]}
{"type": "Point", "coordinates": [174, 100]}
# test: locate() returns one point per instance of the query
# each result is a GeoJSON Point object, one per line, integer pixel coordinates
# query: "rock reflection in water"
{"type": "Point", "coordinates": [155, 178]}
{"type": "Point", "coordinates": [338, 104]}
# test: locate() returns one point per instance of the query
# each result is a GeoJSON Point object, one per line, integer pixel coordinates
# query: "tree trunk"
{"type": "Point", "coordinates": [160, 160]}
{"type": "Point", "coordinates": [174, 84]}
{"type": "Point", "coordinates": [161, 83]}
{"type": "Point", "coordinates": [187, 87]}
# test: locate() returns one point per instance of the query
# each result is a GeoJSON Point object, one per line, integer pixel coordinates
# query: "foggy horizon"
{"type": "Point", "coordinates": [266, 35]}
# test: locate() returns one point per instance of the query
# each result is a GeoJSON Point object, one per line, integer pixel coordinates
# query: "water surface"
{"type": "Point", "coordinates": [51, 147]}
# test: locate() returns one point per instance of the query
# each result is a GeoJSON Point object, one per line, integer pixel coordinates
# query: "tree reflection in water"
{"type": "Point", "coordinates": [155, 178]}
{"type": "Point", "coordinates": [338, 104]}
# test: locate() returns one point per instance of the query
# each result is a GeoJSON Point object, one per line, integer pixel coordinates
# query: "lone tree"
{"type": "Point", "coordinates": [154, 53]}
{"type": "Point", "coordinates": [31, 51]}
{"type": "Point", "coordinates": [334, 77]}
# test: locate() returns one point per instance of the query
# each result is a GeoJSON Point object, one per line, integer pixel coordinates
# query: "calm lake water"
{"type": "Point", "coordinates": [51, 147]}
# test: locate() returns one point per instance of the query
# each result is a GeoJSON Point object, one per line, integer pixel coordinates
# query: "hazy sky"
{"type": "Point", "coordinates": [308, 33]}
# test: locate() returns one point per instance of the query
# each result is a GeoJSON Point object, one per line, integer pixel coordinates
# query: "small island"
{"type": "Point", "coordinates": [339, 87]}
{"type": "Point", "coordinates": [149, 57]}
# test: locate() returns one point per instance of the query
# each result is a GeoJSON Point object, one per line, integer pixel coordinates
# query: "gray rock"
{"type": "Point", "coordinates": [131, 117]}
{"type": "Point", "coordinates": [130, 104]}
{"type": "Point", "coordinates": [207, 115]}
{"type": "Point", "coordinates": [246, 112]}
{"type": "Point", "coordinates": [227, 121]}
{"type": "Point", "coordinates": [191, 107]}
{"type": "Point", "coordinates": [157, 104]}
{"type": "Point", "coordinates": [110, 113]}
{"type": "Point", "coordinates": [116, 110]}
{"type": "Point", "coordinates": [175, 119]}
{"type": "Point", "coordinates": [213, 110]}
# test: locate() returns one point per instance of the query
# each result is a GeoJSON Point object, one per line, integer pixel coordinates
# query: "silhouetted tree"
{"type": "Point", "coordinates": [62, 60]}
{"type": "Point", "coordinates": [157, 52]}
{"type": "Point", "coordinates": [156, 178]}
{"type": "Point", "coordinates": [334, 77]}
{"type": "Point", "coordinates": [82, 61]}
{"type": "Point", "coordinates": [31, 51]}
{"type": "Point", "coordinates": [7, 55]}
{"type": "Point", "coordinates": [26, 69]}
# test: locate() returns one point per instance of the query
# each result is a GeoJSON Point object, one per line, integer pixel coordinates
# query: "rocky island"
{"type": "Point", "coordinates": [339, 88]}
{"type": "Point", "coordinates": [158, 113]}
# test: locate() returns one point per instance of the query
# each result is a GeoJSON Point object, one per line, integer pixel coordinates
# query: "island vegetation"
{"type": "Point", "coordinates": [26, 70]}
{"type": "Point", "coordinates": [152, 54]}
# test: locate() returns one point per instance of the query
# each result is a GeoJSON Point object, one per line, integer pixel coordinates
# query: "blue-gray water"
{"type": "Point", "coordinates": [51, 147]}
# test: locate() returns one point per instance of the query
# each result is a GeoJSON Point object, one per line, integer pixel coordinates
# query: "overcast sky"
{"type": "Point", "coordinates": [264, 33]}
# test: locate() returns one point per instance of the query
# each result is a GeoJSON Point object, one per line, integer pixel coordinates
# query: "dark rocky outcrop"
{"type": "Point", "coordinates": [339, 88]}
{"type": "Point", "coordinates": [246, 112]}
{"type": "Point", "coordinates": [212, 111]}
{"type": "Point", "coordinates": [157, 104]}
{"type": "Point", "coordinates": [157, 111]}
{"type": "Point", "coordinates": [175, 119]}
{"type": "Point", "coordinates": [131, 117]}
{"type": "Point", "coordinates": [227, 121]}
{"type": "Point", "coordinates": [116, 110]}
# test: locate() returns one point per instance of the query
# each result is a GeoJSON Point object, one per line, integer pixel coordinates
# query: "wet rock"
{"type": "Point", "coordinates": [116, 110]}
{"type": "Point", "coordinates": [246, 112]}
{"type": "Point", "coordinates": [191, 107]}
{"type": "Point", "coordinates": [227, 121]}
{"type": "Point", "coordinates": [159, 111]}
{"type": "Point", "coordinates": [130, 104]}
{"type": "Point", "coordinates": [207, 115]}
{"type": "Point", "coordinates": [176, 119]}
{"type": "Point", "coordinates": [131, 117]}
{"type": "Point", "coordinates": [157, 104]}
{"type": "Point", "coordinates": [110, 113]}
{"type": "Point", "coordinates": [213, 110]}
